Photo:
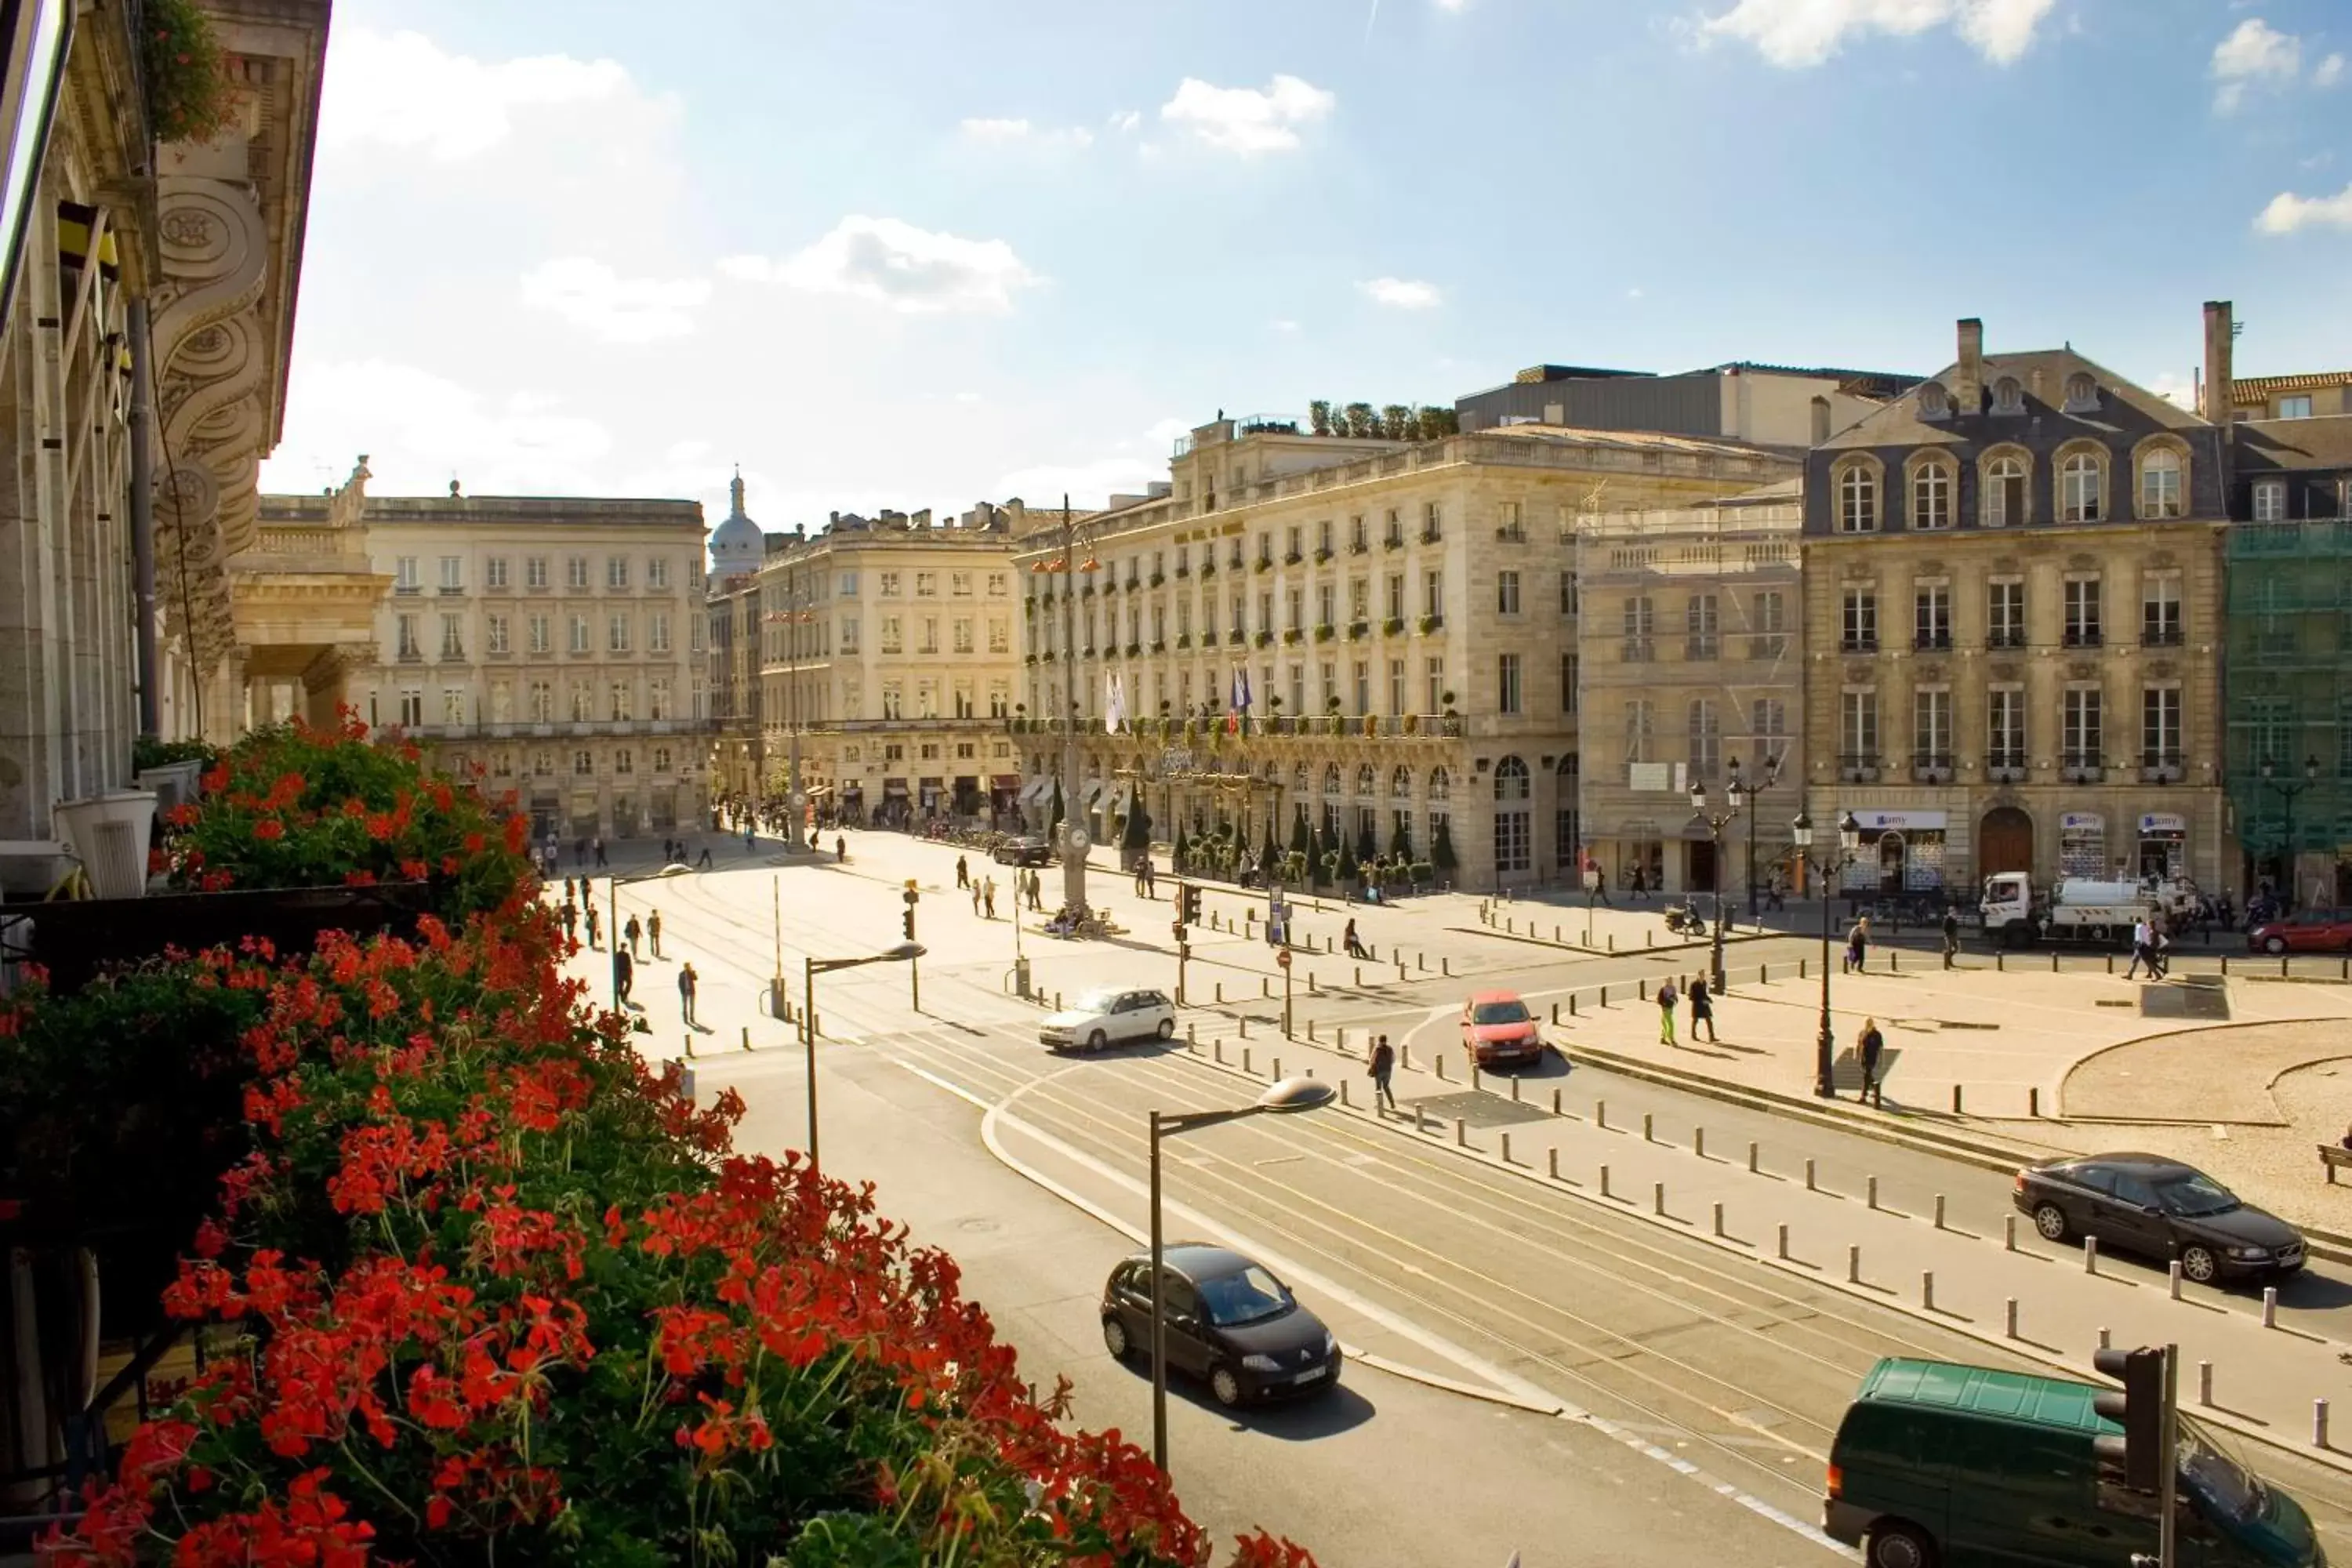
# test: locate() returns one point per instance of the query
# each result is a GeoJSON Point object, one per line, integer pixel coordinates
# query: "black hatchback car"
{"type": "Point", "coordinates": [1229, 1320]}
{"type": "Point", "coordinates": [2160, 1208]}
{"type": "Point", "coordinates": [1023, 850]}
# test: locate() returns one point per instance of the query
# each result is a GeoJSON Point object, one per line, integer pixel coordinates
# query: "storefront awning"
{"type": "Point", "coordinates": [1094, 792]}
{"type": "Point", "coordinates": [894, 786]}
{"type": "Point", "coordinates": [853, 792]}
{"type": "Point", "coordinates": [1005, 781]}
{"type": "Point", "coordinates": [1036, 790]}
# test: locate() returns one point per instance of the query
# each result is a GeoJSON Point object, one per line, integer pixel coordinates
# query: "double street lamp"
{"type": "Point", "coordinates": [1292, 1094]}
{"type": "Point", "coordinates": [1771, 777]}
{"type": "Point", "coordinates": [1849, 843]}
{"type": "Point", "coordinates": [905, 952]}
{"type": "Point", "coordinates": [2286, 791]}
{"type": "Point", "coordinates": [1736, 795]}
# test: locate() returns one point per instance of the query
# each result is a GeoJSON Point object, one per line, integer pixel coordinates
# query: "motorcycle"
{"type": "Point", "coordinates": [1684, 920]}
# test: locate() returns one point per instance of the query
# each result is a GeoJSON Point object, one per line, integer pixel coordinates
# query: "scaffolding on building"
{"type": "Point", "coordinates": [2287, 675]}
{"type": "Point", "coordinates": [1688, 657]}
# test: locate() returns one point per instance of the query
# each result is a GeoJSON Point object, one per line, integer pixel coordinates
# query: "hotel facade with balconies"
{"type": "Point", "coordinates": [1400, 615]}
{"type": "Point", "coordinates": [2013, 615]}
{"type": "Point", "coordinates": [556, 642]}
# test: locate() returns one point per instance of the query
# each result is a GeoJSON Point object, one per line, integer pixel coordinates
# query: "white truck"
{"type": "Point", "coordinates": [2078, 909]}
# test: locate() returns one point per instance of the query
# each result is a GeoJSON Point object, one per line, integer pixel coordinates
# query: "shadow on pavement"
{"type": "Point", "coordinates": [1299, 1420]}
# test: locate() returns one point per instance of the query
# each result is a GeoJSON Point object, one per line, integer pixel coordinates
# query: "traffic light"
{"type": "Point", "coordinates": [1189, 905]}
{"type": "Point", "coordinates": [908, 924]}
{"type": "Point", "coordinates": [911, 896]}
{"type": "Point", "coordinates": [2138, 1408]}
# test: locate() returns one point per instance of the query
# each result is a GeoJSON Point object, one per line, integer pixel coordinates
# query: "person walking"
{"type": "Point", "coordinates": [1384, 1065]}
{"type": "Point", "coordinates": [964, 873]}
{"type": "Point", "coordinates": [1702, 1009]}
{"type": "Point", "coordinates": [2159, 953]}
{"type": "Point", "coordinates": [840, 850]}
{"type": "Point", "coordinates": [1601, 885]}
{"type": "Point", "coordinates": [975, 898]}
{"type": "Point", "coordinates": [1667, 1000]}
{"type": "Point", "coordinates": [1636, 885]}
{"type": "Point", "coordinates": [633, 930]}
{"type": "Point", "coordinates": [988, 897]}
{"type": "Point", "coordinates": [1858, 946]}
{"type": "Point", "coordinates": [686, 980]}
{"type": "Point", "coordinates": [594, 930]}
{"type": "Point", "coordinates": [702, 861]}
{"type": "Point", "coordinates": [1352, 944]}
{"type": "Point", "coordinates": [571, 920]}
{"type": "Point", "coordinates": [2143, 950]}
{"type": "Point", "coordinates": [624, 973]}
{"type": "Point", "coordinates": [1869, 1048]}
{"type": "Point", "coordinates": [1951, 938]}
{"type": "Point", "coordinates": [1151, 878]}
{"type": "Point", "coordinates": [601, 861]}
{"type": "Point", "coordinates": [652, 929]}
{"type": "Point", "coordinates": [1036, 893]}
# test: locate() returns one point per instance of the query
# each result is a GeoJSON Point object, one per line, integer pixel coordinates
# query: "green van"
{"type": "Point", "coordinates": [1937, 1464]}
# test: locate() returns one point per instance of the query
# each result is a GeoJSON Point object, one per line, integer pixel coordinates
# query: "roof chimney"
{"type": "Point", "coordinates": [2220, 336]}
{"type": "Point", "coordinates": [1968, 380]}
{"type": "Point", "coordinates": [1821, 420]}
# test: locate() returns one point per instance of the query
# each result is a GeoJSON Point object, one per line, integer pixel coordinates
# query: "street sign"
{"type": "Point", "coordinates": [1283, 958]}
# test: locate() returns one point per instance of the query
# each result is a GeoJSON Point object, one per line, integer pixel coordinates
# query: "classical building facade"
{"type": "Point", "coordinates": [555, 642]}
{"type": "Point", "coordinates": [1372, 636]}
{"type": "Point", "coordinates": [876, 661]}
{"type": "Point", "coordinates": [1769, 404]}
{"type": "Point", "coordinates": [2052, 703]}
{"type": "Point", "coordinates": [145, 341]}
{"type": "Point", "coordinates": [1690, 654]}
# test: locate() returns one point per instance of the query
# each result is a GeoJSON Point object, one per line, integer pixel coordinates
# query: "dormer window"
{"type": "Point", "coordinates": [2081, 394]}
{"type": "Point", "coordinates": [2008, 396]}
{"type": "Point", "coordinates": [1935, 403]}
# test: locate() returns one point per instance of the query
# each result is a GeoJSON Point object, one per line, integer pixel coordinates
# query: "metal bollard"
{"type": "Point", "coordinates": [1343, 1094]}
{"type": "Point", "coordinates": [1191, 1033]}
{"type": "Point", "coordinates": [1246, 1065]}
{"type": "Point", "coordinates": [1440, 1063]}
{"type": "Point", "coordinates": [1751, 1159]}
{"type": "Point", "coordinates": [1555, 1015]}
{"type": "Point", "coordinates": [1446, 967]}
{"type": "Point", "coordinates": [2090, 1255]}
{"type": "Point", "coordinates": [1476, 1084]}
{"type": "Point", "coordinates": [1870, 1191]}
{"type": "Point", "coordinates": [2106, 1340]}
{"type": "Point", "coordinates": [1648, 1128]}
{"type": "Point", "coordinates": [1221, 996]}
{"type": "Point", "coordinates": [747, 1037]}
{"type": "Point", "coordinates": [1698, 1141]}
{"type": "Point", "coordinates": [1551, 1164]}
{"type": "Point", "coordinates": [2009, 1317]}
{"type": "Point", "coordinates": [1217, 1050]}
{"type": "Point", "coordinates": [1658, 1197]}
{"type": "Point", "coordinates": [1927, 1290]}
{"type": "Point", "coordinates": [1571, 1004]}
{"type": "Point", "coordinates": [2204, 1382]}
{"type": "Point", "coordinates": [1555, 1102]}
{"type": "Point", "coordinates": [1264, 987]}
{"type": "Point", "coordinates": [1808, 1177]}
{"type": "Point", "coordinates": [1604, 1183]}
{"type": "Point", "coordinates": [1276, 1073]}
{"type": "Point", "coordinates": [2172, 1277]}
{"type": "Point", "coordinates": [1460, 1133]}
{"type": "Point", "coordinates": [1781, 1243]}
{"type": "Point", "coordinates": [2033, 1101]}
{"type": "Point", "coordinates": [1506, 1148]}
{"type": "Point", "coordinates": [2008, 1233]}
{"type": "Point", "coordinates": [2270, 1306]}
{"type": "Point", "coordinates": [2319, 1424]}
{"type": "Point", "coordinates": [1853, 1264]}
{"type": "Point", "coordinates": [1601, 1114]}
{"type": "Point", "coordinates": [1405, 1058]}
{"type": "Point", "coordinates": [1515, 1088]}
{"type": "Point", "coordinates": [1956, 1100]}
{"type": "Point", "coordinates": [1421, 1119]}
{"type": "Point", "coordinates": [1310, 1028]}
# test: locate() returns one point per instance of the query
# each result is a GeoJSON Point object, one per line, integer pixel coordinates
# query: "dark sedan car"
{"type": "Point", "coordinates": [1023, 851]}
{"type": "Point", "coordinates": [2160, 1208]}
{"type": "Point", "coordinates": [1229, 1320]}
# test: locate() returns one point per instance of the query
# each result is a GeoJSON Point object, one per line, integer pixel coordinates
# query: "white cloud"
{"type": "Point", "coordinates": [1402, 293]}
{"type": "Point", "coordinates": [1126, 120]}
{"type": "Point", "coordinates": [618, 309]}
{"type": "Point", "coordinates": [891, 262]}
{"type": "Point", "coordinates": [419, 429]}
{"type": "Point", "coordinates": [1453, 4]}
{"type": "Point", "coordinates": [1021, 133]}
{"type": "Point", "coordinates": [2174, 388]}
{"type": "Point", "coordinates": [1794, 33]}
{"type": "Point", "coordinates": [1243, 120]}
{"type": "Point", "coordinates": [2288, 212]}
{"type": "Point", "coordinates": [403, 91]}
{"type": "Point", "coordinates": [2253, 54]}
{"type": "Point", "coordinates": [2327, 72]}
{"type": "Point", "coordinates": [1284, 325]}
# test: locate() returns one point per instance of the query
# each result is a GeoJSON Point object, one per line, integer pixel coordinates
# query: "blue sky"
{"type": "Point", "coordinates": [890, 253]}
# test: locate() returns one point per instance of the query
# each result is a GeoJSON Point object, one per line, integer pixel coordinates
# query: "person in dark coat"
{"type": "Point", "coordinates": [625, 973]}
{"type": "Point", "coordinates": [1870, 1046]}
{"type": "Point", "coordinates": [1702, 1007]}
{"type": "Point", "coordinates": [1951, 939]}
{"type": "Point", "coordinates": [1383, 1066]}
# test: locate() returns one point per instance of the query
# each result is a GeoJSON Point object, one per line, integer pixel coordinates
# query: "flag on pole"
{"type": "Point", "coordinates": [1111, 704]}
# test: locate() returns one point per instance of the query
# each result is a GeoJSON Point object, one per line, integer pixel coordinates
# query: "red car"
{"type": "Point", "coordinates": [1497, 1027]}
{"type": "Point", "coordinates": [2306, 930]}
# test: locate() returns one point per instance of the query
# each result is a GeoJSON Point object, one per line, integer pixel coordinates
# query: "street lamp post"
{"type": "Point", "coordinates": [1292, 1094]}
{"type": "Point", "coordinates": [810, 967]}
{"type": "Point", "coordinates": [1848, 841]}
{"type": "Point", "coordinates": [1736, 795]}
{"type": "Point", "coordinates": [2286, 791]}
{"type": "Point", "coordinates": [1771, 777]}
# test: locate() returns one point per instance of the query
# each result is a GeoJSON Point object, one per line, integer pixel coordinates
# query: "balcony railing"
{"type": "Point", "coordinates": [1701, 646]}
{"type": "Point", "coordinates": [2156, 635]}
{"type": "Point", "coordinates": [2002, 766]}
{"type": "Point", "coordinates": [1931, 767]}
{"type": "Point", "coordinates": [1860, 642]}
{"type": "Point", "coordinates": [2008, 637]}
{"type": "Point", "coordinates": [1931, 642]}
{"type": "Point", "coordinates": [2082, 767]}
{"type": "Point", "coordinates": [1638, 650]}
{"type": "Point", "coordinates": [2162, 767]}
{"type": "Point", "coordinates": [1858, 767]}
{"type": "Point", "coordinates": [2082, 636]}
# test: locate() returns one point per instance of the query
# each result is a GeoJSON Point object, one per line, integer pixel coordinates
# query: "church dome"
{"type": "Point", "coordinates": [737, 545]}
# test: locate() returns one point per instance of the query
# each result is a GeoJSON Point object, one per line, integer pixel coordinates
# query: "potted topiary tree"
{"type": "Point", "coordinates": [1441, 850]}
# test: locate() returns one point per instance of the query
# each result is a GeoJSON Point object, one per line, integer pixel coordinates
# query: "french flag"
{"type": "Point", "coordinates": [1241, 701]}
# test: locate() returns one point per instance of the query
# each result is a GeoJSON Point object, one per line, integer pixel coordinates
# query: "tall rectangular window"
{"type": "Point", "coordinates": [498, 634]}
{"type": "Point", "coordinates": [616, 634]}
{"type": "Point", "coordinates": [1396, 596]}
{"type": "Point", "coordinates": [1858, 727]}
{"type": "Point", "coordinates": [1706, 732]}
{"type": "Point", "coordinates": [1506, 683]}
{"type": "Point", "coordinates": [1931, 727]}
{"type": "Point", "coordinates": [2159, 727]}
{"type": "Point", "coordinates": [1768, 725]}
{"type": "Point", "coordinates": [405, 628]}
{"type": "Point", "coordinates": [1931, 616]}
{"type": "Point", "coordinates": [2160, 623]}
{"type": "Point", "coordinates": [2005, 614]}
{"type": "Point", "coordinates": [2080, 744]}
{"type": "Point", "coordinates": [2005, 728]}
{"type": "Point", "coordinates": [1568, 593]}
{"type": "Point", "coordinates": [1641, 722]}
{"type": "Point", "coordinates": [542, 639]}
{"type": "Point", "coordinates": [1507, 593]}
{"type": "Point", "coordinates": [453, 573]}
{"type": "Point", "coordinates": [534, 571]}
{"type": "Point", "coordinates": [657, 572]}
{"type": "Point", "coordinates": [1702, 626]}
{"type": "Point", "coordinates": [453, 636]}
{"type": "Point", "coordinates": [2082, 612]}
{"type": "Point", "coordinates": [575, 572]}
{"type": "Point", "coordinates": [1859, 632]}
{"type": "Point", "coordinates": [1569, 671]}
{"type": "Point", "coordinates": [494, 571]}
{"type": "Point", "coordinates": [1639, 620]}
{"type": "Point", "coordinates": [1434, 688]}
{"type": "Point", "coordinates": [1433, 593]}
{"type": "Point", "coordinates": [2270, 501]}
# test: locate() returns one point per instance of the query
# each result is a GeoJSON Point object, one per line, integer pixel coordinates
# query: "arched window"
{"type": "Point", "coordinates": [1401, 783]}
{"type": "Point", "coordinates": [1857, 500]}
{"type": "Point", "coordinates": [1332, 778]}
{"type": "Point", "coordinates": [1510, 779]}
{"type": "Point", "coordinates": [1441, 785]}
{"type": "Point", "coordinates": [1367, 783]}
{"type": "Point", "coordinates": [1935, 403]}
{"type": "Point", "coordinates": [2081, 487]}
{"type": "Point", "coordinates": [2082, 394]}
{"type": "Point", "coordinates": [2160, 484]}
{"type": "Point", "coordinates": [2005, 501]}
{"type": "Point", "coordinates": [2008, 396]}
{"type": "Point", "coordinates": [1931, 496]}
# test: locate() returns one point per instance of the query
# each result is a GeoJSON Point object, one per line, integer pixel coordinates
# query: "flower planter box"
{"type": "Point", "coordinates": [109, 833]}
{"type": "Point", "coordinates": [76, 940]}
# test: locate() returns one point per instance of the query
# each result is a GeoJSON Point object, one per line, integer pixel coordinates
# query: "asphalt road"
{"type": "Point", "coordinates": [1702, 1392]}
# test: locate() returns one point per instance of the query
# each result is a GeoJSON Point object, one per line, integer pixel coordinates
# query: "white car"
{"type": "Point", "coordinates": [1105, 1018]}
